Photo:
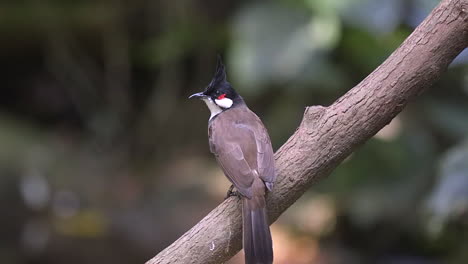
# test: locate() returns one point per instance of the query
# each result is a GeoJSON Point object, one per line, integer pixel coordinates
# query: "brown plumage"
{"type": "Point", "coordinates": [242, 147]}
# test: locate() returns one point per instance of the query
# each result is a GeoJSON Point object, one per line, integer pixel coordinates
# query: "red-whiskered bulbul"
{"type": "Point", "coordinates": [242, 147]}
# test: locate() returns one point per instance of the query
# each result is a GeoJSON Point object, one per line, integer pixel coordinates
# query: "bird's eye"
{"type": "Point", "coordinates": [221, 96]}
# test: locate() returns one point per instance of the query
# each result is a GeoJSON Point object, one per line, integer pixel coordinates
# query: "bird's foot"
{"type": "Point", "coordinates": [230, 193]}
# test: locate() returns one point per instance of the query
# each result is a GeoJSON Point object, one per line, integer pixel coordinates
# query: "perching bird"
{"type": "Point", "coordinates": [242, 147]}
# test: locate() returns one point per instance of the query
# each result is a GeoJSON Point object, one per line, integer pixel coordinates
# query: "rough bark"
{"type": "Point", "coordinates": [327, 135]}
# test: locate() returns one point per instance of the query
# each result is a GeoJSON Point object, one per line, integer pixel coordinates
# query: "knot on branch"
{"type": "Point", "coordinates": [312, 116]}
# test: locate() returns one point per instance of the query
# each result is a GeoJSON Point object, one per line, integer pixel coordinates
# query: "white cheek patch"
{"type": "Point", "coordinates": [224, 103]}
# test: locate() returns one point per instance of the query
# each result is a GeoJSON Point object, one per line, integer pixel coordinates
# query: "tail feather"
{"type": "Point", "coordinates": [257, 238]}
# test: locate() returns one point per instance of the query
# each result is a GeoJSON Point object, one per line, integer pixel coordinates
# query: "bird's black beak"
{"type": "Point", "coordinates": [199, 95]}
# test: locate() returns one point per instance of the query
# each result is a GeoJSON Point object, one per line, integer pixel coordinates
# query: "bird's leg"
{"type": "Point", "coordinates": [230, 193]}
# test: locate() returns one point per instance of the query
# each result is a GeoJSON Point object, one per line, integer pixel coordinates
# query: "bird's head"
{"type": "Point", "coordinates": [219, 94]}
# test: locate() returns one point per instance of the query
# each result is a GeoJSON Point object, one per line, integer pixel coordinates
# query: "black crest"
{"type": "Point", "coordinates": [219, 78]}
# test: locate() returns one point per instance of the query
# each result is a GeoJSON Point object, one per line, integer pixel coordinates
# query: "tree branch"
{"type": "Point", "coordinates": [327, 135]}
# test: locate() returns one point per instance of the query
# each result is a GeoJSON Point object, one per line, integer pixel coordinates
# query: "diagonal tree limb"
{"type": "Point", "coordinates": [327, 135]}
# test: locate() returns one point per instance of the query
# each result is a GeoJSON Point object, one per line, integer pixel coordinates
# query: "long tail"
{"type": "Point", "coordinates": [258, 247]}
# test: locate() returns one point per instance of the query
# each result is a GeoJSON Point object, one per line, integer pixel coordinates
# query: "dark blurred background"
{"type": "Point", "coordinates": [103, 159]}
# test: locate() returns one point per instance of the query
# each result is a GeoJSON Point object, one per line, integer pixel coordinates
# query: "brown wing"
{"type": "Point", "coordinates": [265, 156]}
{"type": "Point", "coordinates": [242, 148]}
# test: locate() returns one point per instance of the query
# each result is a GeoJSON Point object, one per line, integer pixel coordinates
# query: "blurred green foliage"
{"type": "Point", "coordinates": [103, 158]}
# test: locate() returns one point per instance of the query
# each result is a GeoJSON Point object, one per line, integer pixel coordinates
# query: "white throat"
{"type": "Point", "coordinates": [217, 106]}
{"type": "Point", "coordinates": [214, 108]}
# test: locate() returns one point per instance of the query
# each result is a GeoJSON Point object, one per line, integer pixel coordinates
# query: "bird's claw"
{"type": "Point", "coordinates": [230, 193]}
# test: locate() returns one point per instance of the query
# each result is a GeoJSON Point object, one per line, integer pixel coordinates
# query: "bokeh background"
{"type": "Point", "coordinates": [103, 159]}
